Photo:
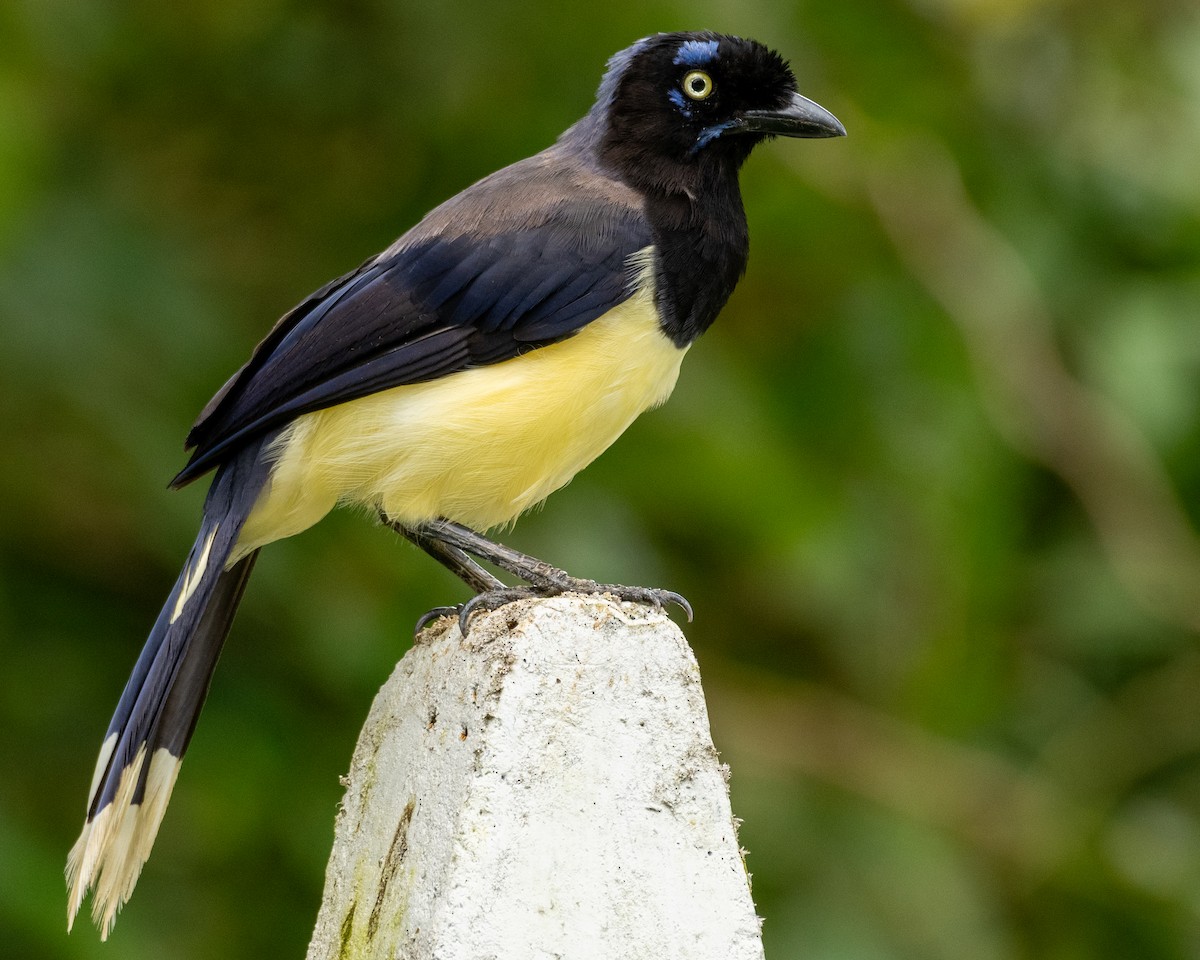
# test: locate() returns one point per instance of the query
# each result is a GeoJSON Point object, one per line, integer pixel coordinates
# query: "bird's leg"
{"type": "Point", "coordinates": [543, 579]}
{"type": "Point", "coordinates": [454, 560]}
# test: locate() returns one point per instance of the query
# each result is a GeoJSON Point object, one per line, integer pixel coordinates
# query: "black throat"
{"type": "Point", "coordinates": [675, 117]}
{"type": "Point", "coordinates": [702, 244]}
{"type": "Point", "coordinates": [695, 212]}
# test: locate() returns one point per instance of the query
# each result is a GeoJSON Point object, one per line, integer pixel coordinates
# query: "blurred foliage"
{"type": "Point", "coordinates": [931, 482]}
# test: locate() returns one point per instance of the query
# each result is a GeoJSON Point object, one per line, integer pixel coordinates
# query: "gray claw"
{"type": "Point", "coordinates": [669, 596]}
{"type": "Point", "coordinates": [465, 612]}
{"type": "Point", "coordinates": [651, 595]}
{"type": "Point", "coordinates": [435, 614]}
{"type": "Point", "coordinates": [489, 600]}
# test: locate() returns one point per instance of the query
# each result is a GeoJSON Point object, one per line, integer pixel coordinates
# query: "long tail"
{"type": "Point", "coordinates": [142, 750]}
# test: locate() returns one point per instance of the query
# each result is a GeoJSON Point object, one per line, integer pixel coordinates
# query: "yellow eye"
{"type": "Point", "coordinates": [698, 85]}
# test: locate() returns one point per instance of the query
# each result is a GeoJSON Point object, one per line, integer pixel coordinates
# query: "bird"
{"type": "Point", "coordinates": [457, 379]}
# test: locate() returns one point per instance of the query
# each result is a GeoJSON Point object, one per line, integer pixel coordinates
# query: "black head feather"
{"type": "Point", "coordinates": [675, 117]}
{"type": "Point", "coordinates": [659, 134]}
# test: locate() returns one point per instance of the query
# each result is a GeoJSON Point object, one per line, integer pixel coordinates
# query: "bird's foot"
{"type": "Point", "coordinates": [453, 545]}
{"type": "Point", "coordinates": [655, 597]}
{"type": "Point", "coordinates": [486, 601]}
{"type": "Point", "coordinates": [494, 599]}
{"type": "Point", "coordinates": [490, 600]}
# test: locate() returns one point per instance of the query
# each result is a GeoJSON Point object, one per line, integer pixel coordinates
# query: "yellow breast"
{"type": "Point", "coordinates": [479, 446]}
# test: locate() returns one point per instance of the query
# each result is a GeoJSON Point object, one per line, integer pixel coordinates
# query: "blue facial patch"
{"type": "Point", "coordinates": [681, 102]}
{"type": "Point", "coordinates": [709, 134]}
{"type": "Point", "coordinates": [696, 53]}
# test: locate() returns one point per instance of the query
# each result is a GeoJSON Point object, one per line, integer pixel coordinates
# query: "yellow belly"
{"type": "Point", "coordinates": [479, 446]}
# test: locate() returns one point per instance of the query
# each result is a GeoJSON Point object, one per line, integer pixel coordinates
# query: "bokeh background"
{"type": "Point", "coordinates": [931, 482]}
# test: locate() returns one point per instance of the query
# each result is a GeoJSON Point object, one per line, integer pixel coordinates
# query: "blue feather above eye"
{"type": "Point", "coordinates": [696, 53]}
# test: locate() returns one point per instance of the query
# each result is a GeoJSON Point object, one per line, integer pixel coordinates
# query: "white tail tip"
{"type": "Point", "coordinates": [113, 846]}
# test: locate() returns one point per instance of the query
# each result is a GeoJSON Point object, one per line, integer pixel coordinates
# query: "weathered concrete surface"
{"type": "Point", "coordinates": [545, 788]}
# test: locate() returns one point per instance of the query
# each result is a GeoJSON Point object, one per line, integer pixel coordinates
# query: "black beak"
{"type": "Point", "coordinates": [799, 118]}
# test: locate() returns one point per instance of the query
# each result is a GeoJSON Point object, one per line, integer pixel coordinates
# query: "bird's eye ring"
{"type": "Point", "coordinates": [698, 85]}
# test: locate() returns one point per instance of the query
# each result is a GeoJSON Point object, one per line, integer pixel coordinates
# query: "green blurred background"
{"type": "Point", "coordinates": [930, 483]}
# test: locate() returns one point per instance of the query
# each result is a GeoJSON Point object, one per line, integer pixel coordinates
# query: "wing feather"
{"type": "Point", "coordinates": [437, 301]}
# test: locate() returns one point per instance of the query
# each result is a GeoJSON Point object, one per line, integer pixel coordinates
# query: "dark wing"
{"type": "Point", "coordinates": [435, 304]}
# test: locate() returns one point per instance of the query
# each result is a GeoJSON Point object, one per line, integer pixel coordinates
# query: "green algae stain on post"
{"type": "Point", "coordinates": [397, 851]}
{"type": "Point", "coordinates": [346, 931]}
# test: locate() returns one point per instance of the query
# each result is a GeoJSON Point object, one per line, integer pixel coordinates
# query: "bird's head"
{"type": "Point", "coordinates": [677, 105]}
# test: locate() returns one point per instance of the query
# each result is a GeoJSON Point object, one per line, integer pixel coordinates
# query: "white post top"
{"type": "Point", "coordinates": [545, 788]}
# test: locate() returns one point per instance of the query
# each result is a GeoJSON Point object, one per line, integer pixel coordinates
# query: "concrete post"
{"type": "Point", "coordinates": [545, 788]}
